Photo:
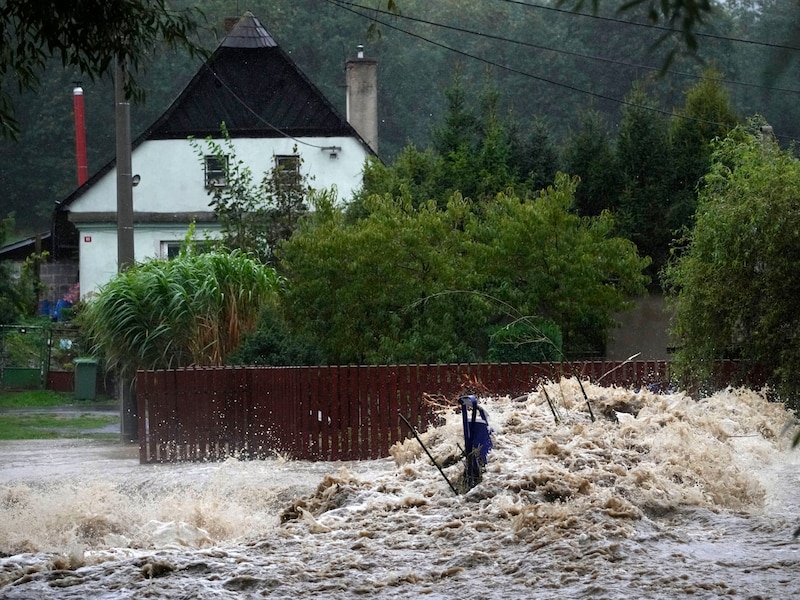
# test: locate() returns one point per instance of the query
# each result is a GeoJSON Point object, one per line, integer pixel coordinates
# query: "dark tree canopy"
{"type": "Point", "coordinates": [87, 36]}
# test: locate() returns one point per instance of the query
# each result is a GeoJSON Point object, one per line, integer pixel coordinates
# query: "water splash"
{"type": "Point", "coordinates": [662, 495]}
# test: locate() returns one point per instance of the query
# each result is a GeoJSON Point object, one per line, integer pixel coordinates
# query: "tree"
{"type": "Point", "coordinates": [9, 297]}
{"type": "Point", "coordinates": [413, 78]}
{"type": "Point", "coordinates": [418, 283]}
{"type": "Point", "coordinates": [88, 36]}
{"type": "Point", "coordinates": [373, 290]}
{"type": "Point", "coordinates": [643, 156]}
{"type": "Point", "coordinates": [460, 127]}
{"type": "Point", "coordinates": [18, 293]}
{"type": "Point", "coordinates": [254, 216]}
{"type": "Point", "coordinates": [687, 14]}
{"type": "Point", "coordinates": [589, 154]}
{"type": "Point", "coordinates": [489, 152]}
{"type": "Point", "coordinates": [706, 115]}
{"type": "Point", "coordinates": [191, 310]}
{"type": "Point", "coordinates": [475, 154]}
{"type": "Point", "coordinates": [734, 283]}
{"type": "Point", "coordinates": [274, 343]}
{"type": "Point", "coordinates": [548, 262]}
{"type": "Point", "coordinates": [533, 158]}
{"type": "Point", "coordinates": [414, 173]}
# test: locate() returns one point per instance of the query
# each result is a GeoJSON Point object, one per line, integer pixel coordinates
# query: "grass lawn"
{"type": "Point", "coordinates": [39, 426]}
{"type": "Point", "coordinates": [39, 414]}
{"type": "Point", "coordinates": [34, 399]}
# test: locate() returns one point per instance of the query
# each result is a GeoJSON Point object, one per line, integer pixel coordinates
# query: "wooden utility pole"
{"type": "Point", "coordinates": [125, 256]}
{"type": "Point", "coordinates": [124, 174]}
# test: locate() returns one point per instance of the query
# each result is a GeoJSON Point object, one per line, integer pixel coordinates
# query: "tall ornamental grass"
{"type": "Point", "coordinates": [191, 310]}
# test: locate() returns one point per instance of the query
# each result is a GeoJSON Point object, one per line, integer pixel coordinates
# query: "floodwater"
{"type": "Point", "coordinates": [662, 497]}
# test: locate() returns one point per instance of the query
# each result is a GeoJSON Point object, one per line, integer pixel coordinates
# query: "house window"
{"type": "Point", "coordinates": [170, 250]}
{"type": "Point", "coordinates": [287, 169]}
{"type": "Point", "coordinates": [216, 167]}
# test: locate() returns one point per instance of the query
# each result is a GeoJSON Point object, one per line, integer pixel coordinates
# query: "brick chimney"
{"type": "Point", "coordinates": [228, 23]}
{"type": "Point", "coordinates": [362, 97]}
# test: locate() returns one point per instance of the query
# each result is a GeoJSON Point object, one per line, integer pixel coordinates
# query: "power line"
{"type": "Point", "coordinates": [567, 52]}
{"type": "Point", "coordinates": [248, 108]}
{"type": "Point", "coordinates": [651, 25]}
{"type": "Point", "coordinates": [349, 7]}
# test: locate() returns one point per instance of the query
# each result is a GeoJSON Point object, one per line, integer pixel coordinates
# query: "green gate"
{"type": "Point", "coordinates": [24, 354]}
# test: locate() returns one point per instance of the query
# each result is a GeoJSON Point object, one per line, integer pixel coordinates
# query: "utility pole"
{"type": "Point", "coordinates": [124, 170]}
{"type": "Point", "coordinates": [125, 256]}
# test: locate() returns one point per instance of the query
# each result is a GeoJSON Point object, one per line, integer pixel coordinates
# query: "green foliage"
{"type": "Point", "coordinates": [547, 261]}
{"type": "Point", "coordinates": [8, 304]}
{"type": "Point", "coordinates": [706, 115]}
{"type": "Point", "coordinates": [589, 153]}
{"type": "Point", "coordinates": [367, 291]}
{"type": "Point", "coordinates": [644, 157]}
{"type": "Point", "coordinates": [273, 343]}
{"type": "Point", "coordinates": [415, 174]}
{"type": "Point", "coordinates": [193, 309]}
{"type": "Point", "coordinates": [414, 77]}
{"type": "Point", "coordinates": [460, 128]}
{"type": "Point", "coordinates": [533, 156]}
{"type": "Point", "coordinates": [417, 283]}
{"type": "Point", "coordinates": [23, 347]}
{"type": "Point", "coordinates": [87, 36]}
{"type": "Point", "coordinates": [8, 292]}
{"type": "Point", "coordinates": [254, 215]}
{"type": "Point", "coordinates": [17, 293]}
{"type": "Point", "coordinates": [734, 283]}
{"type": "Point", "coordinates": [474, 153]}
{"type": "Point", "coordinates": [526, 340]}
{"type": "Point", "coordinates": [688, 14]}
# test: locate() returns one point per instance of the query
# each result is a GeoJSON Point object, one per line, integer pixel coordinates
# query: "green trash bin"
{"type": "Point", "coordinates": [85, 378]}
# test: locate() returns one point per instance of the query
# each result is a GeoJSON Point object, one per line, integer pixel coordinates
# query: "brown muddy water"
{"type": "Point", "coordinates": [663, 497]}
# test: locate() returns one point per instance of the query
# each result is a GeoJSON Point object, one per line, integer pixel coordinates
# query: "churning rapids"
{"type": "Point", "coordinates": [663, 496]}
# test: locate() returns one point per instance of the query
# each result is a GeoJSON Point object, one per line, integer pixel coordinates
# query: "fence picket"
{"type": "Point", "coordinates": [337, 412]}
{"type": "Point", "coordinates": [353, 415]}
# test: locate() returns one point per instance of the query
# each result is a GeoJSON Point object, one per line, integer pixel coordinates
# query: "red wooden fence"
{"type": "Point", "coordinates": [325, 412]}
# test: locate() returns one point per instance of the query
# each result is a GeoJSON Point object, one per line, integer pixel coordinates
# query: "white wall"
{"type": "Point", "coordinates": [173, 181]}
{"type": "Point", "coordinates": [173, 176]}
{"type": "Point", "coordinates": [98, 249]}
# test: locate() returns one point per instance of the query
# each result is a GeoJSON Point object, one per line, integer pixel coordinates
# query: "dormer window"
{"type": "Point", "coordinates": [216, 167]}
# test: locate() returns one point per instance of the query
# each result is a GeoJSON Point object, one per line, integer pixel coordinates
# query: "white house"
{"type": "Point", "coordinates": [273, 113]}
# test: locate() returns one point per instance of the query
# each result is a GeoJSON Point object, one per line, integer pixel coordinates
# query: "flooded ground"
{"type": "Point", "coordinates": [663, 497]}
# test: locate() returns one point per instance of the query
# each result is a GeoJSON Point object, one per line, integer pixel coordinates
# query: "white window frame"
{"type": "Point", "coordinates": [171, 248]}
{"type": "Point", "coordinates": [215, 171]}
{"type": "Point", "coordinates": [287, 164]}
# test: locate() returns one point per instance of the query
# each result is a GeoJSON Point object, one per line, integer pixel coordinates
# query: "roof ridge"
{"type": "Point", "coordinates": [248, 33]}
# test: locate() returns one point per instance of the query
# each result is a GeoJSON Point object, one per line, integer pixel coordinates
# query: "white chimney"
{"type": "Point", "coordinates": [362, 97]}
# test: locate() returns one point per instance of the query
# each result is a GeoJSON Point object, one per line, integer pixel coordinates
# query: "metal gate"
{"type": "Point", "coordinates": [37, 356]}
{"type": "Point", "coordinates": [23, 356]}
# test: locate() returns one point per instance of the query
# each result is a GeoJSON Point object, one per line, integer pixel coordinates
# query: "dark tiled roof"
{"type": "Point", "coordinates": [252, 85]}
{"type": "Point", "coordinates": [248, 33]}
